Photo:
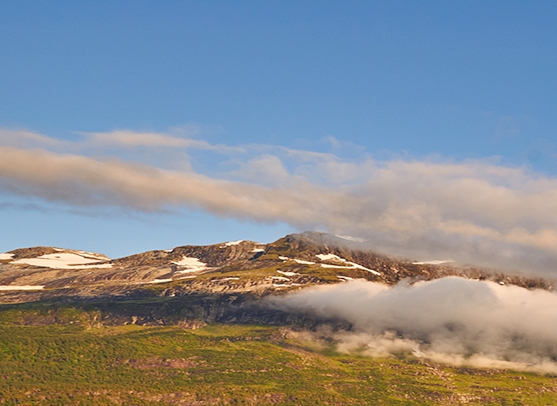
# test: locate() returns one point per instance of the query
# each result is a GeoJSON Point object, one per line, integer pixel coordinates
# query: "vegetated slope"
{"type": "Point", "coordinates": [292, 262]}
{"type": "Point", "coordinates": [240, 365]}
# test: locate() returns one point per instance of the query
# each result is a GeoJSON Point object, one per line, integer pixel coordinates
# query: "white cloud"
{"type": "Point", "coordinates": [472, 211]}
{"type": "Point", "coordinates": [132, 139]}
{"type": "Point", "coordinates": [26, 139]}
{"type": "Point", "coordinates": [128, 138]}
{"type": "Point", "coordinates": [265, 169]}
{"type": "Point", "coordinates": [452, 320]}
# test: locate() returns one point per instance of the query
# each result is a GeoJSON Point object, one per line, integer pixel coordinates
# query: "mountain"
{"type": "Point", "coordinates": [209, 325]}
{"type": "Point", "coordinates": [293, 262]}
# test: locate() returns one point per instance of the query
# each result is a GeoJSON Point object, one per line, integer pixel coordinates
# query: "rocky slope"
{"type": "Point", "coordinates": [293, 262]}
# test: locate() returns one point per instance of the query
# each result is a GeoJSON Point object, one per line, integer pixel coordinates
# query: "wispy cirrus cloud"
{"type": "Point", "coordinates": [129, 139]}
{"type": "Point", "coordinates": [26, 139]}
{"type": "Point", "coordinates": [476, 212]}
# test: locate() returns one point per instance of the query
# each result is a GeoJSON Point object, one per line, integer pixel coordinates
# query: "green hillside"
{"type": "Point", "coordinates": [68, 354]}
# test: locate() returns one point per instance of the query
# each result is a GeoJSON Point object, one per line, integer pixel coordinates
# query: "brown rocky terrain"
{"type": "Point", "coordinates": [293, 262]}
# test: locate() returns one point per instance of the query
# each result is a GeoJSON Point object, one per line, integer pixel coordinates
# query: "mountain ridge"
{"type": "Point", "coordinates": [292, 262]}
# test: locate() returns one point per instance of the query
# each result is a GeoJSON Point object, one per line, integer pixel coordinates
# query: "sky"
{"type": "Point", "coordinates": [427, 129]}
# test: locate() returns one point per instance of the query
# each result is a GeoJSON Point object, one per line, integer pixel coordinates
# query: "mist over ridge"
{"type": "Point", "coordinates": [451, 320]}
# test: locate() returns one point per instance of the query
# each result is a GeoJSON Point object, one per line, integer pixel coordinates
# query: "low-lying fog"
{"type": "Point", "coordinates": [452, 320]}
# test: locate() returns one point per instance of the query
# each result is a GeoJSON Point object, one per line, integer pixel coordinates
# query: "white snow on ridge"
{"type": "Point", "coordinates": [160, 280]}
{"type": "Point", "coordinates": [6, 256]}
{"type": "Point", "coordinates": [297, 260]}
{"type": "Point", "coordinates": [304, 262]}
{"type": "Point", "coordinates": [345, 278]}
{"type": "Point", "coordinates": [337, 266]}
{"type": "Point", "coordinates": [364, 268]}
{"type": "Point", "coordinates": [285, 273]}
{"type": "Point", "coordinates": [63, 261]}
{"type": "Point", "coordinates": [191, 264]}
{"type": "Point", "coordinates": [231, 243]}
{"type": "Point", "coordinates": [258, 250]}
{"type": "Point", "coordinates": [21, 287]}
{"type": "Point", "coordinates": [325, 257]}
{"type": "Point", "coordinates": [434, 262]}
{"type": "Point", "coordinates": [238, 242]}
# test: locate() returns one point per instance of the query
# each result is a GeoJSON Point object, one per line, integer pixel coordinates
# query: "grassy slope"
{"type": "Point", "coordinates": [222, 364]}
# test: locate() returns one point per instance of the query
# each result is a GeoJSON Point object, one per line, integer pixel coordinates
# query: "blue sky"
{"type": "Point", "coordinates": [336, 98]}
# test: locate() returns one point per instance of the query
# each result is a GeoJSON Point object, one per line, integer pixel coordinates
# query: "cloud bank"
{"type": "Point", "coordinates": [450, 320]}
{"type": "Point", "coordinates": [475, 212]}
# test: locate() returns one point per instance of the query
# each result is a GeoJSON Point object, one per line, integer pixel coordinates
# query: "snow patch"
{"type": "Point", "coordinates": [337, 266]}
{"type": "Point", "coordinates": [299, 261]}
{"type": "Point", "coordinates": [21, 287]}
{"type": "Point", "coordinates": [304, 262]}
{"type": "Point", "coordinates": [191, 264]}
{"type": "Point", "coordinates": [434, 262]}
{"type": "Point", "coordinates": [326, 257]}
{"type": "Point", "coordinates": [288, 273]}
{"type": "Point", "coordinates": [258, 250]}
{"type": "Point", "coordinates": [365, 269]}
{"type": "Point", "coordinates": [231, 243]}
{"type": "Point", "coordinates": [345, 278]}
{"type": "Point", "coordinates": [6, 256]}
{"type": "Point", "coordinates": [64, 261]}
{"type": "Point", "coordinates": [160, 280]}
{"type": "Point", "coordinates": [280, 278]}
{"type": "Point", "coordinates": [231, 278]}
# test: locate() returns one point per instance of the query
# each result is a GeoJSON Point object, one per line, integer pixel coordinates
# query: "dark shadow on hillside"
{"type": "Point", "coordinates": [190, 310]}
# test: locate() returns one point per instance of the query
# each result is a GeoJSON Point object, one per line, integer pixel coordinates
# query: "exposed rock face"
{"type": "Point", "coordinates": [292, 262]}
{"type": "Point", "coordinates": [32, 252]}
